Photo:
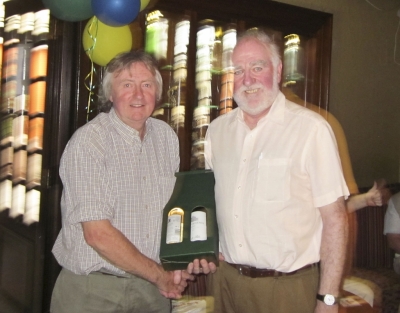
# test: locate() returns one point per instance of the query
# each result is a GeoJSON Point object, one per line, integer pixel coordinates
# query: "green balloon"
{"type": "Point", "coordinates": [70, 10]}
{"type": "Point", "coordinates": [102, 42]}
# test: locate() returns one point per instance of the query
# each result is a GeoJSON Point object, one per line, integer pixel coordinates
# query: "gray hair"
{"type": "Point", "coordinates": [265, 40]}
{"type": "Point", "coordinates": [122, 62]}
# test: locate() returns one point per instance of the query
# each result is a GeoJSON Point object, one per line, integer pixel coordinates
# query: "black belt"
{"type": "Point", "coordinates": [254, 272]}
{"type": "Point", "coordinates": [108, 274]}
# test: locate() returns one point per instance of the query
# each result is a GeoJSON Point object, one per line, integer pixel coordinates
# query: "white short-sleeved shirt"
{"type": "Point", "coordinates": [108, 172]}
{"type": "Point", "coordinates": [270, 182]}
{"type": "Point", "coordinates": [392, 218]}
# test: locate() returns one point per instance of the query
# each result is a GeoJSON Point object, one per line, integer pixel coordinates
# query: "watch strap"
{"type": "Point", "coordinates": [322, 298]}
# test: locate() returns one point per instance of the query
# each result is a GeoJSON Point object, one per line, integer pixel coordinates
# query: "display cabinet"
{"type": "Point", "coordinates": [192, 41]}
{"type": "Point", "coordinates": [40, 88]}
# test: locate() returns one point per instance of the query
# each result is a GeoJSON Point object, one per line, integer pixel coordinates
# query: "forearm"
{"type": "Point", "coordinates": [333, 247]}
{"type": "Point", "coordinates": [356, 202]}
{"type": "Point", "coordinates": [114, 247]}
{"type": "Point", "coordinates": [371, 198]}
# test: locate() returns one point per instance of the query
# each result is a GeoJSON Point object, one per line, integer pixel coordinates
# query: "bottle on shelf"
{"type": "Point", "coordinates": [36, 112]}
{"type": "Point", "coordinates": [10, 61]}
{"type": "Point", "coordinates": [21, 102]}
{"type": "Point", "coordinates": [226, 96]}
{"type": "Point", "coordinates": [158, 44]}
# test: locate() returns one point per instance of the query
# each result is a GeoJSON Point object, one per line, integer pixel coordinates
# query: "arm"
{"type": "Point", "coordinates": [394, 241]}
{"type": "Point", "coordinates": [371, 198]}
{"type": "Point", "coordinates": [333, 251]}
{"type": "Point", "coordinates": [113, 246]}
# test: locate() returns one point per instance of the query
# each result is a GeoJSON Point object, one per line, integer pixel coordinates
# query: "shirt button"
{"type": "Point", "coordinates": [240, 245]}
{"type": "Point", "coordinates": [146, 206]}
{"type": "Point", "coordinates": [144, 177]}
{"type": "Point", "coordinates": [147, 236]}
{"type": "Point", "coordinates": [239, 187]}
{"type": "Point", "coordinates": [236, 216]}
{"type": "Point", "coordinates": [244, 160]}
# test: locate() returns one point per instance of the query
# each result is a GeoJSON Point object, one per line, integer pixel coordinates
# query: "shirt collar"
{"type": "Point", "coordinates": [127, 132]}
{"type": "Point", "coordinates": [277, 111]}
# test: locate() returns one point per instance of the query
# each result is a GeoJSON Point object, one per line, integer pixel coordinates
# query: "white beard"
{"type": "Point", "coordinates": [266, 98]}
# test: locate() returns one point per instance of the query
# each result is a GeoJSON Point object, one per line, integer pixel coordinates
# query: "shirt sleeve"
{"type": "Point", "coordinates": [324, 166]}
{"type": "Point", "coordinates": [87, 192]}
{"type": "Point", "coordinates": [392, 220]}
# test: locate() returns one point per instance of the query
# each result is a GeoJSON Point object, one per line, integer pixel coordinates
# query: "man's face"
{"type": "Point", "coordinates": [256, 80]}
{"type": "Point", "coordinates": [133, 94]}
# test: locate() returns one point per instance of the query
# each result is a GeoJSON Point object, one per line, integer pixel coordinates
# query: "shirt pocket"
{"type": "Point", "coordinates": [273, 180]}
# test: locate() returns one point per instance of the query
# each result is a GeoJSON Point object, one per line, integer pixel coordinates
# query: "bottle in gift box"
{"type": "Point", "coordinates": [175, 225]}
{"type": "Point", "coordinates": [193, 196]}
{"type": "Point", "coordinates": [198, 227]}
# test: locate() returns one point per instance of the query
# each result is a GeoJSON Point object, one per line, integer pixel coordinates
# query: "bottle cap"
{"type": "Point", "coordinates": [27, 23]}
{"type": "Point", "coordinates": [12, 23]}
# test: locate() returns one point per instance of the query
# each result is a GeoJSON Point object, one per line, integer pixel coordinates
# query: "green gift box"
{"type": "Point", "coordinates": [189, 228]}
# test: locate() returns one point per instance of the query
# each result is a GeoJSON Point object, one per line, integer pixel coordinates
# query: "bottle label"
{"type": "Point", "coordinates": [32, 208]}
{"type": "Point", "coordinates": [20, 130]}
{"type": "Point", "coordinates": [5, 194]}
{"type": "Point", "coordinates": [6, 156]}
{"type": "Point", "coordinates": [174, 229]}
{"type": "Point", "coordinates": [198, 230]}
{"type": "Point", "coordinates": [18, 201]}
{"type": "Point", "coordinates": [34, 170]}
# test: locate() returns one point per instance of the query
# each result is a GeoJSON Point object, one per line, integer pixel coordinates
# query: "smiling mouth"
{"type": "Point", "coordinates": [252, 90]}
{"type": "Point", "coordinates": [136, 105]}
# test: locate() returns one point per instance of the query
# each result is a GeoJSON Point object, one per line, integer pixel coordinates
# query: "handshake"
{"type": "Point", "coordinates": [173, 283]}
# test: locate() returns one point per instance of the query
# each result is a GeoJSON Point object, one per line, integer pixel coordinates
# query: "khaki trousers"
{"type": "Point", "coordinates": [235, 293]}
{"type": "Point", "coordinates": [98, 293]}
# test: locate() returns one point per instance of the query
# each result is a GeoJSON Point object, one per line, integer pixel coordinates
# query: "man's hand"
{"type": "Point", "coordinates": [374, 196]}
{"type": "Point", "coordinates": [172, 284]}
{"type": "Point", "coordinates": [201, 267]}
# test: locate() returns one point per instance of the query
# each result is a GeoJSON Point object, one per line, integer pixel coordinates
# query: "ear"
{"type": "Point", "coordinates": [279, 71]}
{"type": "Point", "coordinates": [110, 98]}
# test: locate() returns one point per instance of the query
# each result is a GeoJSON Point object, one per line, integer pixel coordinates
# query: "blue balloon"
{"type": "Point", "coordinates": [116, 12]}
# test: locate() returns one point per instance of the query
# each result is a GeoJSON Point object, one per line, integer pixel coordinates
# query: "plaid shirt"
{"type": "Point", "coordinates": [109, 173]}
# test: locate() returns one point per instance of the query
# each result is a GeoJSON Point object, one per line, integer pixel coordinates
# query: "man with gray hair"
{"type": "Point", "coordinates": [279, 191]}
{"type": "Point", "coordinates": [118, 173]}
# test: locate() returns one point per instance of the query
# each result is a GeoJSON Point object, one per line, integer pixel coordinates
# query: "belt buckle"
{"type": "Point", "coordinates": [253, 273]}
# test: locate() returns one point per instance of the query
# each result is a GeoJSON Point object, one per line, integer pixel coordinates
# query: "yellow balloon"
{"type": "Point", "coordinates": [143, 4]}
{"type": "Point", "coordinates": [102, 42]}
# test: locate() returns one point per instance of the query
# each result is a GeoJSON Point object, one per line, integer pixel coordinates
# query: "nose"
{"type": "Point", "coordinates": [138, 93]}
{"type": "Point", "coordinates": [248, 79]}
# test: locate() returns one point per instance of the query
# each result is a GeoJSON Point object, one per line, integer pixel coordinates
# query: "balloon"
{"type": "Point", "coordinates": [69, 10]}
{"type": "Point", "coordinates": [102, 42]}
{"type": "Point", "coordinates": [143, 4]}
{"type": "Point", "coordinates": [116, 12]}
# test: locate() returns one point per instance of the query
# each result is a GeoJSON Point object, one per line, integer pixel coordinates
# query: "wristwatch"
{"type": "Point", "coordinates": [327, 299]}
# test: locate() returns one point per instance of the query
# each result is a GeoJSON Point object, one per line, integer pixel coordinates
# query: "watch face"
{"type": "Point", "coordinates": [329, 300]}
